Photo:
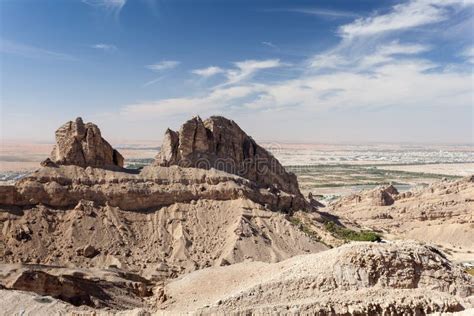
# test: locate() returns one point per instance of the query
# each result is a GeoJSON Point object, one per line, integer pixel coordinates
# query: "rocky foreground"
{"type": "Point", "coordinates": [358, 279]}
{"type": "Point", "coordinates": [441, 214]}
{"type": "Point", "coordinates": [214, 226]}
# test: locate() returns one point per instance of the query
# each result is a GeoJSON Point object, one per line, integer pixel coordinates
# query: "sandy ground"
{"type": "Point", "coordinates": [22, 156]}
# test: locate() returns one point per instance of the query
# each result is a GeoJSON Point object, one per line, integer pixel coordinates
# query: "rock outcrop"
{"type": "Point", "coordinates": [172, 216]}
{"type": "Point", "coordinates": [220, 143]}
{"type": "Point", "coordinates": [380, 196]}
{"type": "Point", "coordinates": [96, 288]}
{"type": "Point", "coordinates": [82, 145]}
{"type": "Point", "coordinates": [355, 279]}
{"type": "Point", "coordinates": [213, 198]}
{"type": "Point", "coordinates": [441, 213]}
{"type": "Point", "coordinates": [82, 168]}
{"type": "Point", "coordinates": [159, 243]}
{"type": "Point", "coordinates": [153, 187]}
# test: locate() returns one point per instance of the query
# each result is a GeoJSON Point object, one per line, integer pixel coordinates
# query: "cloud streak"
{"type": "Point", "coordinates": [270, 44]}
{"type": "Point", "coordinates": [468, 54]}
{"type": "Point", "coordinates": [208, 72]}
{"type": "Point", "coordinates": [110, 6]}
{"type": "Point", "coordinates": [403, 16]}
{"type": "Point", "coordinates": [163, 65]}
{"type": "Point", "coordinates": [325, 12]}
{"type": "Point", "coordinates": [28, 51]}
{"type": "Point", "coordinates": [105, 47]}
{"type": "Point", "coordinates": [159, 68]}
{"type": "Point", "coordinates": [363, 71]}
{"type": "Point", "coordinates": [343, 57]}
{"type": "Point", "coordinates": [401, 84]}
{"type": "Point", "coordinates": [246, 69]}
{"type": "Point", "coordinates": [212, 101]}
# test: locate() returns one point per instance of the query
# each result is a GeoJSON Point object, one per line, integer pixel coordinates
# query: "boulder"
{"type": "Point", "coordinates": [113, 289]}
{"type": "Point", "coordinates": [382, 198]}
{"type": "Point", "coordinates": [82, 145]}
{"type": "Point", "coordinates": [220, 143]}
{"type": "Point", "coordinates": [87, 251]}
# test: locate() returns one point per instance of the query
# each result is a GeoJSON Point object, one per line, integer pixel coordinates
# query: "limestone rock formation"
{"type": "Point", "coordinates": [154, 186]}
{"type": "Point", "coordinates": [160, 243]}
{"type": "Point", "coordinates": [82, 145]}
{"type": "Point", "coordinates": [95, 288]}
{"type": "Point", "coordinates": [400, 278]}
{"type": "Point", "coordinates": [220, 143]}
{"type": "Point", "coordinates": [441, 213]}
{"type": "Point", "coordinates": [161, 216]}
{"type": "Point", "coordinates": [75, 229]}
{"type": "Point", "coordinates": [380, 196]}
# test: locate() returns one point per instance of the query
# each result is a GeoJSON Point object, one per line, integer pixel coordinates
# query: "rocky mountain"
{"type": "Point", "coordinates": [81, 209]}
{"type": "Point", "coordinates": [221, 144]}
{"type": "Point", "coordinates": [214, 226]}
{"type": "Point", "coordinates": [82, 145]}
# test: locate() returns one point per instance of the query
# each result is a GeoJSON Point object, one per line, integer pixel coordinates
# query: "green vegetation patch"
{"type": "Point", "coordinates": [304, 228]}
{"type": "Point", "coordinates": [314, 177]}
{"type": "Point", "coordinates": [349, 234]}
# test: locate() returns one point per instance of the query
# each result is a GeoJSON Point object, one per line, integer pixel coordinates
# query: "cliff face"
{"type": "Point", "coordinates": [82, 145]}
{"type": "Point", "coordinates": [84, 166]}
{"type": "Point", "coordinates": [221, 144]}
{"type": "Point", "coordinates": [154, 186]}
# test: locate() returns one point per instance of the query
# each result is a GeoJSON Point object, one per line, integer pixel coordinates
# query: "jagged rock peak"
{"type": "Point", "coordinates": [82, 145]}
{"type": "Point", "coordinates": [220, 143]}
{"type": "Point", "coordinates": [384, 196]}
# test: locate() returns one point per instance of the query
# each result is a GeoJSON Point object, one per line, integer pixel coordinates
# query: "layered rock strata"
{"type": "Point", "coordinates": [221, 144]}
{"type": "Point", "coordinates": [82, 145]}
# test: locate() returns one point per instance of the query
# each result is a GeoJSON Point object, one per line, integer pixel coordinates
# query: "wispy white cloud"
{"type": "Point", "coordinates": [325, 12]}
{"type": "Point", "coordinates": [212, 101]}
{"type": "Point", "coordinates": [401, 84]}
{"type": "Point", "coordinates": [153, 81]}
{"type": "Point", "coordinates": [343, 57]}
{"type": "Point", "coordinates": [159, 68]}
{"type": "Point", "coordinates": [243, 70]}
{"type": "Point", "coordinates": [269, 44]}
{"type": "Point", "coordinates": [163, 65]}
{"type": "Point", "coordinates": [403, 16]}
{"type": "Point", "coordinates": [371, 72]}
{"type": "Point", "coordinates": [208, 72]}
{"type": "Point", "coordinates": [468, 53]}
{"type": "Point", "coordinates": [105, 47]}
{"type": "Point", "coordinates": [395, 48]}
{"type": "Point", "coordinates": [110, 6]}
{"type": "Point", "coordinates": [10, 47]}
{"type": "Point", "coordinates": [398, 84]}
{"type": "Point", "coordinates": [246, 69]}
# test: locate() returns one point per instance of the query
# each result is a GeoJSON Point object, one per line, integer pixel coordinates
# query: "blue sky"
{"type": "Point", "coordinates": [307, 71]}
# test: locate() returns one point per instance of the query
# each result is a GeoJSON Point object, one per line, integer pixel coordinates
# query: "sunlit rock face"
{"type": "Point", "coordinates": [220, 143]}
{"type": "Point", "coordinates": [82, 145]}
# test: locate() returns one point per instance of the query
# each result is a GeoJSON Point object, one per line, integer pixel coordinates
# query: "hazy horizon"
{"type": "Point", "coordinates": [288, 71]}
{"type": "Point", "coordinates": [158, 141]}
